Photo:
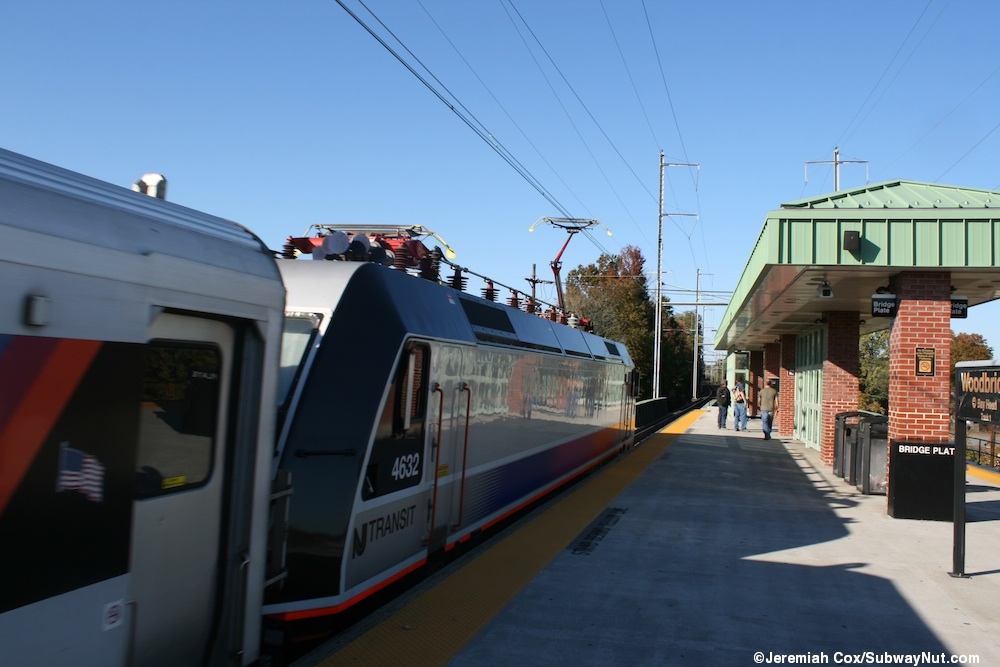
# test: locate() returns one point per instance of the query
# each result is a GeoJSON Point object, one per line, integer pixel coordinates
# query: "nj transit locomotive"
{"type": "Point", "coordinates": [155, 507]}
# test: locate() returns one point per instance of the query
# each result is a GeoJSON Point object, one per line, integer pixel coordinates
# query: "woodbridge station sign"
{"type": "Point", "coordinates": [978, 392]}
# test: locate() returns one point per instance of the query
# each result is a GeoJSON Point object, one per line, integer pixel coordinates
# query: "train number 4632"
{"type": "Point", "coordinates": [406, 466]}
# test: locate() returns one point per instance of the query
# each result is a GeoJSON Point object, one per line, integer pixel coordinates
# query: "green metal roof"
{"type": "Point", "coordinates": [903, 195]}
{"type": "Point", "coordinates": [902, 225]}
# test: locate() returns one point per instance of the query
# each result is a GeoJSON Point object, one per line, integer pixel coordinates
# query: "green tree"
{"type": "Point", "coordinates": [676, 355]}
{"type": "Point", "coordinates": [613, 295]}
{"type": "Point", "coordinates": [873, 352]}
{"type": "Point", "coordinates": [973, 347]}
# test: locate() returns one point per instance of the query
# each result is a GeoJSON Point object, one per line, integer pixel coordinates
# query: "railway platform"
{"type": "Point", "coordinates": [704, 546]}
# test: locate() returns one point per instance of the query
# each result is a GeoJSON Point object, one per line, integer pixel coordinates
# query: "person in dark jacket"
{"type": "Point", "coordinates": [722, 400]}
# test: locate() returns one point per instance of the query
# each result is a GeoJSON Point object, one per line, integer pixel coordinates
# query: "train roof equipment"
{"type": "Point", "coordinates": [402, 247]}
{"type": "Point", "coordinates": [572, 226]}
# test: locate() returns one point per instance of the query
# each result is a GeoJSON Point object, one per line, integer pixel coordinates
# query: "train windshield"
{"type": "Point", "coordinates": [297, 336]}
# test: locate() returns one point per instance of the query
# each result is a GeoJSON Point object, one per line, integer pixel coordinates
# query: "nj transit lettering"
{"type": "Point", "coordinates": [380, 527]}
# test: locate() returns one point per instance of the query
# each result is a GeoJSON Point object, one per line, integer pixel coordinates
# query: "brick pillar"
{"type": "Point", "coordinates": [772, 361]}
{"type": "Point", "coordinates": [785, 419]}
{"type": "Point", "coordinates": [919, 404]}
{"type": "Point", "coordinates": [841, 369]}
{"type": "Point", "coordinates": [755, 382]}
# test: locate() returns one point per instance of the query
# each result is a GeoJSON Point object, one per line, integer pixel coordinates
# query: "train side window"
{"type": "Point", "coordinates": [177, 420]}
{"type": "Point", "coordinates": [396, 462]}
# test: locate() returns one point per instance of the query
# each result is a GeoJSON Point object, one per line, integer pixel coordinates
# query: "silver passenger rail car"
{"type": "Point", "coordinates": [138, 370]}
{"type": "Point", "coordinates": [414, 415]}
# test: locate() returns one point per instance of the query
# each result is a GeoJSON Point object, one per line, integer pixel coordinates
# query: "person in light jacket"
{"type": "Point", "coordinates": [740, 406]}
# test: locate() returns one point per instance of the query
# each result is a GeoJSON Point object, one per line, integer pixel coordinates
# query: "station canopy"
{"type": "Point", "coordinates": [855, 242]}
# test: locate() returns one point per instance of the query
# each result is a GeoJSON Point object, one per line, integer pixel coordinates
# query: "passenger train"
{"type": "Point", "coordinates": [197, 436]}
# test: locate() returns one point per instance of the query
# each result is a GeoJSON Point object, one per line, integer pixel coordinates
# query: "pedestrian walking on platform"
{"type": "Point", "coordinates": [722, 397]}
{"type": "Point", "coordinates": [740, 406]}
{"type": "Point", "coordinates": [768, 406]}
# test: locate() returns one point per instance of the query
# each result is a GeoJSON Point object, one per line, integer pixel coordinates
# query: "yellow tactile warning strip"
{"type": "Point", "coordinates": [984, 473]}
{"type": "Point", "coordinates": [434, 627]}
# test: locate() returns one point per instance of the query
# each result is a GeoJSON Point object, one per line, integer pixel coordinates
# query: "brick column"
{"type": "Point", "coordinates": [841, 369]}
{"type": "Point", "coordinates": [772, 361]}
{"type": "Point", "coordinates": [919, 404]}
{"type": "Point", "coordinates": [785, 419]}
{"type": "Point", "coordinates": [755, 382]}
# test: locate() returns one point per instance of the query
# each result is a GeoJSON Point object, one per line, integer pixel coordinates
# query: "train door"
{"type": "Point", "coordinates": [178, 518]}
{"type": "Point", "coordinates": [450, 400]}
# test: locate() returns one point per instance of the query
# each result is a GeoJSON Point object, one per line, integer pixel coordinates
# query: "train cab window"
{"type": "Point", "coordinates": [297, 335]}
{"type": "Point", "coordinates": [177, 420]}
{"type": "Point", "coordinates": [396, 460]}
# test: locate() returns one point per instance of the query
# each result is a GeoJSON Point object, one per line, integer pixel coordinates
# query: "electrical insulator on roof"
{"type": "Point", "coordinates": [457, 280]}
{"type": "Point", "coordinates": [154, 185]}
{"type": "Point", "coordinates": [430, 265]}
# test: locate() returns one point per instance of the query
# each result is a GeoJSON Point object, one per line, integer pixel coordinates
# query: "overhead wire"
{"type": "Point", "coordinates": [628, 71]}
{"type": "Point", "coordinates": [500, 104]}
{"type": "Point", "coordinates": [848, 132]}
{"type": "Point", "coordinates": [968, 152]}
{"type": "Point", "coordinates": [645, 115]}
{"type": "Point", "coordinates": [680, 139]}
{"type": "Point", "coordinates": [898, 71]}
{"type": "Point", "coordinates": [450, 100]}
{"type": "Point", "coordinates": [663, 78]}
{"type": "Point", "coordinates": [885, 71]}
{"type": "Point", "coordinates": [476, 126]}
{"type": "Point", "coordinates": [565, 110]}
{"type": "Point", "coordinates": [943, 118]}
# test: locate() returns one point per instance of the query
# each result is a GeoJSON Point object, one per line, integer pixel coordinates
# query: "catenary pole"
{"type": "Point", "coordinates": [694, 354]}
{"type": "Point", "coordinates": [658, 325]}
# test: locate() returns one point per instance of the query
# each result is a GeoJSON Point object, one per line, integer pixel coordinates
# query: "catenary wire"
{"type": "Point", "coordinates": [478, 129]}
{"type": "Point", "coordinates": [943, 118]}
{"type": "Point", "coordinates": [896, 75]}
{"type": "Point", "coordinates": [884, 72]}
{"type": "Point", "coordinates": [559, 100]}
{"type": "Point", "coordinates": [500, 104]}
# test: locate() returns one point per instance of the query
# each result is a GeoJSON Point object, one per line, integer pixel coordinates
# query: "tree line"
{"type": "Point", "coordinates": [873, 350]}
{"type": "Point", "coordinates": [613, 293]}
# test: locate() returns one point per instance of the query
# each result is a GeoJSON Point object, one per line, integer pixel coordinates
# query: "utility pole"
{"type": "Point", "coordinates": [535, 280]}
{"type": "Point", "coordinates": [658, 325]}
{"type": "Point", "coordinates": [836, 168]}
{"type": "Point", "coordinates": [694, 362]}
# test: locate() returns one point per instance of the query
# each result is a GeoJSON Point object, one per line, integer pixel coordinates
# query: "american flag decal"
{"type": "Point", "coordinates": [79, 471]}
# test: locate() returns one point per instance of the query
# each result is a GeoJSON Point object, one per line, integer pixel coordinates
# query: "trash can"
{"type": "Point", "coordinates": [838, 444]}
{"type": "Point", "coordinates": [845, 443]}
{"type": "Point", "coordinates": [922, 480]}
{"type": "Point", "coordinates": [873, 453]}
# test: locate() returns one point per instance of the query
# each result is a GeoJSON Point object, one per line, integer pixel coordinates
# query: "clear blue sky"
{"type": "Point", "coordinates": [280, 115]}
